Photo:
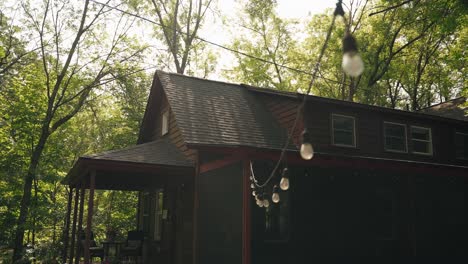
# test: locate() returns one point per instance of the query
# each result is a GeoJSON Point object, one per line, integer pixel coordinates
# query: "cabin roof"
{"type": "Point", "coordinates": [159, 152]}
{"type": "Point", "coordinates": [217, 113]}
{"type": "Point", "coordinates": [454, 108]}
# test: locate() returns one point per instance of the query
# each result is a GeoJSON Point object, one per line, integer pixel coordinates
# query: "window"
{"type": "Point", "coordinates": [158, 215]}
{"type": "Point", "coordinates": [421, 140]}
{"type": "Point", "coordinates": [343, 128]}
{"type": "Point", "coordinates": [165, 123]}
{"type": "Point", "coordinates": [461, 145]}
{"type": "Point", "coordinates": [395, 137]}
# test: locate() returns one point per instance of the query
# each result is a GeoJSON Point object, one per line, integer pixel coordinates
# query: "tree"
{"type": "Point", "coordinates": [268, 39]}
{"type": "Point", "coordinates": [69, 74]}
{"type": "Point", "coordinates": [178, 24]}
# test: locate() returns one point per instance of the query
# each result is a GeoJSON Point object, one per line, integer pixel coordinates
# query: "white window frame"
{"type": "Point", "coordinates": [431, 148]}
{"type": "Point", "coordinates": [406, 137]}
{"type": "Point", "coordinates": [165, 123]}
{"type": "Point", "coordinates": [333, 131]}
{"type": "Point", "coordinates": [466, 135]}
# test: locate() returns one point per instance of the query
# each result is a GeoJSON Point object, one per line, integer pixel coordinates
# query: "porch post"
{"type": "Point", "coordinates": [80, 221]}
{"type": "Point", "coordinates": [75, 213]}
{"type": "Point", "coordinates": [246, 217]}
{"type": "Point", "coordinates": [89, 222]}
{"type": "Point", "coordinates": [67, 226]}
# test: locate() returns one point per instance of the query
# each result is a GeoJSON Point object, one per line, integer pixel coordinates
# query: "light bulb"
{"type": "Point", "coordinates": [252, 186]}
{"type": "Point", "coordinates": [352, 64]}
{"type": "Point", "coordinates": [260, 203]}
{"type": "Point", "coordinates": [275, 197]}
{"type": "Point", "coordinates": [266, 203]}
{"type": "Point", "coordinates": [307, 151]}
{"type": "Point", "coordinates": [254, 193]}
{"type": "Point", "coordinates": [284, 184]}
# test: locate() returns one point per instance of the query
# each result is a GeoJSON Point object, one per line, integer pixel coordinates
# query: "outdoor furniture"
{"type": "Point", "coordinates": [133, 247]}
{"type": "Point", "coordinates": [94, 250]}
{"type": "Point", "coordinates": [112, 249]}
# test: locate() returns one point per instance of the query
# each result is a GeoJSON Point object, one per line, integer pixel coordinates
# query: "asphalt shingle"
{"type": "Point", "coordinates": [216, 113]}
{"type": "Point", "coordinates": [159, 152]}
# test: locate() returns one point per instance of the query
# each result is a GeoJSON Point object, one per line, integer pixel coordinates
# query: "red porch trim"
{"type": "Point", "coordinates": [89, 222]}
{"type": "Point", "coordinates": [75, 215]}
{"type": "Point", "coordinates": [213, 165]}
{"type": "Point", "coordinates": [246, 217]}
{"type": "Point", "coordinates": [66, 232]}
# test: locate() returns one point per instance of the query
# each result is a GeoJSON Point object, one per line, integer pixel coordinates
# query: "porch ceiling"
{"type": "Point", "coordinates": [134, 168]}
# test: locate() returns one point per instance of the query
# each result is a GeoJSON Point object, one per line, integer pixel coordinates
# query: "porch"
{"type": "Point", "coordinates": [161, 175]}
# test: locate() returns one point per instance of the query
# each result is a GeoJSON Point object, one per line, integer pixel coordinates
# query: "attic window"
{"type": "Point", "coordinates": [343, 128]}
{"type": "Point", "coordinates": [395, 137]}
{"type": "Point", "coordinates": [421, 140]}
{"type": "Point", "coordinates": [165, 123]}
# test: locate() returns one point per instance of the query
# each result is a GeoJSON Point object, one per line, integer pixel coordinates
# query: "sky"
{"type": "Point", "coordinates": [214, 31]}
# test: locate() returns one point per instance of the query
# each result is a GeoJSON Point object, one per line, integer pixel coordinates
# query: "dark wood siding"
{"type": "Point", "coordinates": [220, 216]}
{"type": "Point", "coordinates": [369, 129]}
{"type": "Point", "coordinates": [152, 122]}
{"type": "Point", "coordinates": [338, 213]}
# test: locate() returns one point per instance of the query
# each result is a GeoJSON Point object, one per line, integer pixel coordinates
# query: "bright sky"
{"type": "Point", "coordinates": [214, 31]}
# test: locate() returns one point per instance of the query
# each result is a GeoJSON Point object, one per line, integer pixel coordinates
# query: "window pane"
{"type": "Point", "coordinates": [419, 133]}
{"type": "Point", "coordinates": [395, 137]}
{"type": "Point", "coordinates": [421, 146]}
{"type": "Point", "coordinates": [343, 123]}
{"type": "Point", "coordinates": [343, 138]}
{"type": "Point", "coordinates": [343, 130]}
{"type": "Point", "coordinates": [393, 143]}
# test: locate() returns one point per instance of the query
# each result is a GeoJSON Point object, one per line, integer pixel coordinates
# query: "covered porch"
{"type": "Point", "coordinates": [162, 176]}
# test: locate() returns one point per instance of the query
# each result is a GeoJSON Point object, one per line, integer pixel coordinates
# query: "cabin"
{"type": "Point", "coordinates": [382, 182]}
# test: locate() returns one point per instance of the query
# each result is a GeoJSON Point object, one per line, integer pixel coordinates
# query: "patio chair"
{"type": "Point", "coordinates": [133, 247]}
{"type": "Point", "coordinates": [94, 250]}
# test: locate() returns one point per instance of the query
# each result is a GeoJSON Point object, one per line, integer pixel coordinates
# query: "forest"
{"type": "Point", "coordinates": [75, 78]}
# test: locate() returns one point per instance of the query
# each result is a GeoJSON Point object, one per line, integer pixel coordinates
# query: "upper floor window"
{"type": "Point", "coordinates": [421, 140]}
{"type": "Point", "coordinates": [395, 137]}
{"type": "Point", "coordinates": [165, 123]}
{"type": "Point", "coordinates": [461, 145]}
{"type": "Point", "coordinates": [343, 130]}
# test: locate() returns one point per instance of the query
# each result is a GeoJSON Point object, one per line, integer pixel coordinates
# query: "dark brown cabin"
{"type": "Point", "coordinates": [382, 183]}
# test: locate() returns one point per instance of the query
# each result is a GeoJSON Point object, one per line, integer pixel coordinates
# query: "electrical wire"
{"type": "Point", "coordinates": [216, 44]}
{"type": "Point", "coordinates": [300, 108]}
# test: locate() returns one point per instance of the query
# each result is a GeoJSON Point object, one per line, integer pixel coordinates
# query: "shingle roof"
{"type": "Point", "coordinates": [217, 113]}
{"type": "Point", "coordinates": [159, 152]}
{"type": "Point", "coordinates": [452, 109]}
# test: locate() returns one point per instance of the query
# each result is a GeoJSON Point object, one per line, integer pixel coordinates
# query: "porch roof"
{"type": "Point", "coordinates": [131, 167]}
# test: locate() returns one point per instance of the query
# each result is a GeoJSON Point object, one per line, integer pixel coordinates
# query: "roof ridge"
{"type": "Point", "coordinates": [198, 78]}
{"type": "Point", "coordinates": [444, 102]}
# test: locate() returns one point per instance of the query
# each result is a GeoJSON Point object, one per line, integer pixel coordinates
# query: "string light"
{"type": "Point", "coordinates": [275, 197]}
{"type": "Point", "coordinates": [352, 63]}
{"type": "Point", "coordinates": [353, 66]}
{"type": "Point", "coordinates": [307, 151]}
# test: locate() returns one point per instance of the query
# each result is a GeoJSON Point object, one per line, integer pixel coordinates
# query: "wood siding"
{"type": "Point", "coordinates": [152, 122]}
{"type": "Point", "coordinates": [369, 129]}
{"type": "Point", "coordinates": [220, 216]}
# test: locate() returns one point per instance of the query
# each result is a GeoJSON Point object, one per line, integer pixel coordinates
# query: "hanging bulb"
{"type": "Point", "coordinates": [254, 193]}
{"type": "Point", "coordinates": [352, 63]}
{"type": "Point", "coordinates": [284, 183]}
{"type": "Point", "coordinates": [275, 197]}
{"type": "Point", "coordinates": [260, 203]}
{"type": "Point", "coordinates": [252, 186]}
{"type": "Point", "coordinates": [307, 151]}
{"type": "Point", "coordinates": [266, 203]}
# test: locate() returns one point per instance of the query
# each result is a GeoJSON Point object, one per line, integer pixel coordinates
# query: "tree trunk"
{"type": "Point", "coordinates": [27, 188]}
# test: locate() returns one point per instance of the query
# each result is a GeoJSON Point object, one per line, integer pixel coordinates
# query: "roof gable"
{"type": "Point", "coordinates": [213, 113]}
